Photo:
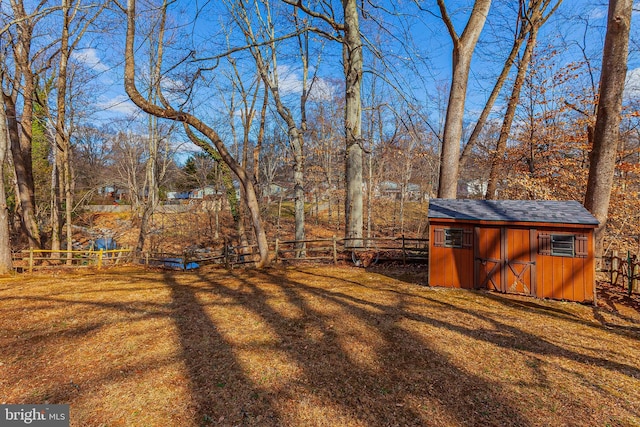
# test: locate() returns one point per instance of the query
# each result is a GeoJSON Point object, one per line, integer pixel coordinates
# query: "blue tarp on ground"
{"type": "Point", "coordinates": [178, 263]}
{"type": "Point", "coordinates": [105, 244]}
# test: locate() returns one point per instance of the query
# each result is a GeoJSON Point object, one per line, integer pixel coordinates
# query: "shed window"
{"type": "Point", "coordinates": [453, 237]}
{"type": "Point", "coordinates": [563, 245]}
{"type": "Point", "coordinates": [569, 245]}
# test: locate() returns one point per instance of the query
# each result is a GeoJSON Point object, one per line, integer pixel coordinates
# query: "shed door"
{"type": "Point", "coordinates": [504, 260]}
{"type": "Point", "coordinates": [518, 262]}
{"type": "Point", "coordinates": [489, 259]}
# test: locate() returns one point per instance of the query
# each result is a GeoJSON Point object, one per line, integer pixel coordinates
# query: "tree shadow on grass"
{"type": "Point", "coordinates": [356, 364]}
{"type": "Point", "coordinates": [557, 313]}
{"type": "Point", "coordinates": [507, 336]}
{"type": "Point", "coordinates": [502, 334]}
{"type": "Point", "coordinates": [220, 392]}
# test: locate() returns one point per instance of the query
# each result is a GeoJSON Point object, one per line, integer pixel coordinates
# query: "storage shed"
{"type": "Point", "coordinates": [540, 248]}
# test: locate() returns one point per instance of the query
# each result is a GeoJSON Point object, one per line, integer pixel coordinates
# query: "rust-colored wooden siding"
{"type": "Point", "coordinates": [568, 278]}
{"type": "Point", "coordinates": [488, 247]}
{"type": "Point", "coordinates": [450, 267]}
{"type": "Point", "coordinates": [520, 267]}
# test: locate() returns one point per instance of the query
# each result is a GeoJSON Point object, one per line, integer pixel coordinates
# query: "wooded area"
{"type": "Point", "coordinates": [332, 106]}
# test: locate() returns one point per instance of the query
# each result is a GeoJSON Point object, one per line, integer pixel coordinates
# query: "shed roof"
{"type": "Point", "coordinates": [551, 211]}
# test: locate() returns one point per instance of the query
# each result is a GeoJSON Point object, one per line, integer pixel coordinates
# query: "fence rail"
{"type": "Point", "coordinates": [623, 271]}
{"type": "Point", "coordinates": [362, 252]}
{"type": "Point", "coordinates": [30, 259]}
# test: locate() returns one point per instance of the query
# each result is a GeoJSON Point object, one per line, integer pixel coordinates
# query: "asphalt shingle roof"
{"type": "Point", "coordinates": [567, 212]}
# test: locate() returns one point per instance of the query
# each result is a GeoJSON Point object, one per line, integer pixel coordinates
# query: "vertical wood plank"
{"type": "Point", "coordinates": [503, 259]}
{"type": "Point", "coordinates": [476, 256]}
{"type": "Point", "coordinates": [533, 252]}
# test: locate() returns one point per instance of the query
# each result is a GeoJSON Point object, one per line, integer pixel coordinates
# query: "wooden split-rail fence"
{"type": "Point", "coordinates": [361, 252]}
{"type": "Point", "coordinates": [623, 270]}
{"type": "Point", "coordinates": [30, 259]}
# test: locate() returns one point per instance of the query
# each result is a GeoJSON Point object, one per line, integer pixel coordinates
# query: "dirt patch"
{"type": "Point", "coordinates": [309, 346]}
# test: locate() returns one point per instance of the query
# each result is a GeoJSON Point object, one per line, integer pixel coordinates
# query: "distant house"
{"type": "Point", "coordinates": [177, 195]}
{"type": "Point", "coordinates": [393, 190]}
{"type": "Point", "coordinates": [203, 193]}
{"type": "Point", "coordinates": [540, 248]}
{"type": "Point", "coordinates": [472, 188]}
{"type": "Point", "coordinates": [114, 193]}
{"type": "Point", "coordinates": [275, 190]}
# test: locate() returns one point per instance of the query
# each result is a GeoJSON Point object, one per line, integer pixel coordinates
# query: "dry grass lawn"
{"type": "Point", "coordinates": [312, 346]}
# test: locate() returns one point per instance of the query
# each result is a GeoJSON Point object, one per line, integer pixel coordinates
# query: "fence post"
{"type": "Point", "coordinates": [100, 253]}
{"type": "Point", "coordinates": [635, 269]}
{"type": "Point", "coordinates": [226, 253]}
{"type": "Point", "coordinates": [335, 250]}
{"type": "Point", "coordinates": [277, 248]}
{"type": "Point", "coordinates": [629, 273]}
{"type": "Point", "coordinates": [30, 260]}
{"type": "Point", "coordinates": [615, 264]}
{"type": "Point", "coordinates": [404, 252]}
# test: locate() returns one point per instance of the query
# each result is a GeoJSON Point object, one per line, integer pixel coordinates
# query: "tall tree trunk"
{"type": "Point", "coordinates": [150, 192]}
{"type": "Point", "coordinates": [55, 204]}
{"type": "Point", "coordinates": [269, 75]}
{"type": "Point", "coordinates": [217, 146]}
{"type": "Point", "coordinates": [501, 147]}
{"type": "Point", "coordinates": [607, 128]}
{"type": "Point", "coordinates": [21, 140]}
{"type": "Point", "coordinates": [534, 16]}
{"type": "Point", "coordinates": [495, 92]}
{"type": "Point", "coordinates": [298, 189]}
{"type": "Point", "coordinates": [62, 139]}
{"type": "Point", "coordinates": [6, 264]}
{"type": "Point", "coordinates": [21, 156]}
{"type": "Point", "coordinates": [259, 141]}
{"type": "Point", "coordinates": [463, 47]}
{"type": "Point", "coordinates": [353, 63]}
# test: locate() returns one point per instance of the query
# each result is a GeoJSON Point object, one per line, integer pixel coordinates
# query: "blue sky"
{"type": "Point", "coordinates": [431, 50]}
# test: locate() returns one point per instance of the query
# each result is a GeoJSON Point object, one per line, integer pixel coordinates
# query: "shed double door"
{"type": "Point", "coordinates": [505, 259]}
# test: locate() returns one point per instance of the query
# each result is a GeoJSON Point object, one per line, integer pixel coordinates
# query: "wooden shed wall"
{"type": "Point", "coordinates": [450, 267]}
{"type": "Point", "coordinates": [556, 277]}
{"type": "Point", "coordinates": [568, 278]}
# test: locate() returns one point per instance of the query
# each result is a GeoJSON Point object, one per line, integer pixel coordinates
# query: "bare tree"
{"type": "Point", "coordinates": [267, 66]}
{"type": "Point", "coordinates": [607, 128]}
{"type": "Point", "coordinates": [20, 126]}
{"type": "Point", "coordinates": [5, 236]}
{"type": "Point", "coordinates": [521, 30]}
{"type": "Point", "coordinates": [535, 17]}
{"type": "Point", "coordinates": [463, 47]}
{"type": "Point", "coordinates": [74, 25]}
{"type": "Point", "coordinates": [353, 64]}
{"type": "Point", "coordinates": [128, 154]}
{"type": "Point", "coordinates": [348, 34]}
{"type": "Point", "coordinates": [153, 173]}
{"type": "Point", "coordinates": [326, 147]}
{"type": "Point", "coordinates": [165, 110]}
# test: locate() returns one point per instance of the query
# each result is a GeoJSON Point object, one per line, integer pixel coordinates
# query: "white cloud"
{"type": "Point", "coordinates": [120, 104]}
{"type": "Point", "coordinates": [172, 85]}
{"type": "Point", "coordinates": [322, 90]}
{"type": "Point", "coordinates": [598, 12]}
{"type": "Point", "coordinates": [290, 83]}
{"type": "Point", "coordinates": [632, 84]}
{"type": "Point", "coordinates": [90, 58]}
